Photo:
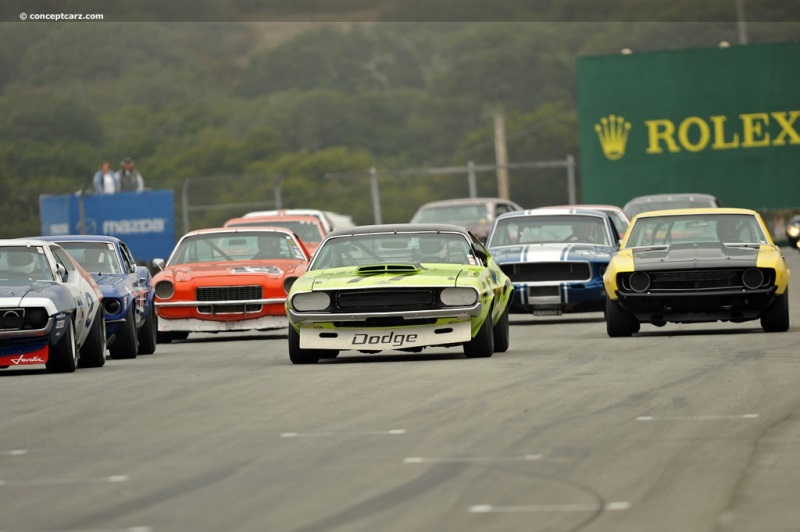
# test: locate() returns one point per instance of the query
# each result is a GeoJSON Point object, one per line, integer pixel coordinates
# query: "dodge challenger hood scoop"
{"type": "Point", "coordinates": [392, 269]}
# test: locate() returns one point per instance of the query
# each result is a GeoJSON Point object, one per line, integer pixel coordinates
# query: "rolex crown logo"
{"type": "Point", "coordinates": [613, 135]}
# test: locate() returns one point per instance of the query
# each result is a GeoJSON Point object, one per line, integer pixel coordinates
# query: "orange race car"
{"type": "Point", "coordinates": [227, 279]}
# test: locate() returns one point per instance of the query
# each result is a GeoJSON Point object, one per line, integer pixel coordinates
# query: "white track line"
{"type": "Point", "coordinates": [488, 508]}
{"type": "Point", "coordinates": [14, 452]}
{"type": "Point", "coordinates": [451, 459]}
{"type": "Point", "coordinates": [393, 432]}
{"type": "Point", "coordinates": [130, 529]}
{"type": "Point", "coordinates": [694, 418]}
{"type": "Point", "coordinates": [62, 481]}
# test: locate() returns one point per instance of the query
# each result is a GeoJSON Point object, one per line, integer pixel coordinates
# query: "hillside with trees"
{"type": "Point", "coordinates": [228, 108]}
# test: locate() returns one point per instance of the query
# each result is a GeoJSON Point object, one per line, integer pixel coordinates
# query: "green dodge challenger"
{"type": "Point", "coordinates": [398, 287]}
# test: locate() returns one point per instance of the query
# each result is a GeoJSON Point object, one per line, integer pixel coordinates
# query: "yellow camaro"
{"type": "Point", "coordinates": [693, 266]}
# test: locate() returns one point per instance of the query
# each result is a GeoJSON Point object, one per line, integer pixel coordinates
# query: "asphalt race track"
{"type": "Point", "coordinates": [681, 428]}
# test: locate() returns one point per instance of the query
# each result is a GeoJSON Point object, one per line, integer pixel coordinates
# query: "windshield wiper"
{"type": "Point", "coordinates": [655, 247]}
{"type": "Point", "coordinates": [742, 244]}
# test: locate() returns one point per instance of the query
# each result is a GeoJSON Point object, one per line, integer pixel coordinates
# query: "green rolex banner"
{"type": "Point", "coordinates": [722, 121]}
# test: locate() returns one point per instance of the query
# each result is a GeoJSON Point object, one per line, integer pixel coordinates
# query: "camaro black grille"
{"type": "Point", "coordinates": [386, 299]}
{"type": "Point", "coordinates": [228, 293]}
{"type": "Point", "coordinates": [694, 280]}
{"type": "Point", "coordinates": [228, 309]}
{"type": "Point", "coordinates": [532, 272]}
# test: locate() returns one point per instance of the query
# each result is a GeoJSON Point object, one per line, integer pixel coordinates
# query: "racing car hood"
{"type": "Point", "coordinates": [431, 275]}
{"type": "Point", "coordinates": [551, 252]}
{"type": "Point", "coordinates": [276, 268]}
{"type": "Point", "coordinates": [109, 280]}
{"type": "Point", "coordinates": [691, 255]}
{"type": "Point", "coordinates": [48, 294]}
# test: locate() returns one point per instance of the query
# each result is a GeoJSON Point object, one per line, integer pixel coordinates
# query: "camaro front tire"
{"type": "Point", "coordinates": [776, 317]}
{"type": "Point", "coordinates": [618, 322]}
{"type": "Point", "coordinates": [93, 352]}
{"type": "Point", "coordinates": [127, 343]}
{"type": "Point", "coordinates": [63, 357]}
{"type": "Point", "coordinates": [147, 334]}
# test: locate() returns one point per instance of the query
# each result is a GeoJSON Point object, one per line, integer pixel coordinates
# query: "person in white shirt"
{"type": "Point", "coordinates": [105, 181]}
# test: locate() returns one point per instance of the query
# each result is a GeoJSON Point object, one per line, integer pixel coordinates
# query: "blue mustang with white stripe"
{"type": "Point", "coordinates": [555, 258]}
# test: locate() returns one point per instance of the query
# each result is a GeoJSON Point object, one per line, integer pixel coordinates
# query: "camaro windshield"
{"type": "Point", "coordinates": [632, 209]}
{"type": "Point", "coordinates": [308, 231]}
{"type": "Point", "coordinates": [575, 229]}
{"type": "Point", "coordinates": [393, 248]}
{"type": "Point", "coordinates": [95, 257]}
{"type": "Point", "coordinates": [453, 214]}
{"type": "Point", "coordinates": [239, 246]}
{"type": "Point", "coordinates": [23, 263]}
{"type": "Point", "coordinates": [696, 228]}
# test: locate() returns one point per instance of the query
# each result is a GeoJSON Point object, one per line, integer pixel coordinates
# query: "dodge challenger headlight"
{"type": "Point", "coordinates": [793, 230]}
{"type": "Point", "coordinates": [458, 297]}
{"type": "Point", "coordinates": [311, 301]}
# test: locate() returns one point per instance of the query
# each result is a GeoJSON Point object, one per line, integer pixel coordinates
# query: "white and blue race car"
{"type": "Point", "coordinates": [128, 292]}
{"type": "Point", "coordinates": [51, 310]}
{"type": "Point", "coordinates": [555, 258]}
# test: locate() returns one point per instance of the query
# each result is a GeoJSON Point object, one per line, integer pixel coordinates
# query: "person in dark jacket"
{"type": "Point", "coordinates": [129, 179]}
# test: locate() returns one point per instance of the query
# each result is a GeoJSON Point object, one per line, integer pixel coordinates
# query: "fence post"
{"type": "Point", "coordinates": [376, 195]}
{"type": "Point", "coordinates": [185, 205]}
{"type": "Point", "coordinates": [278, 194]}
{"type": "Point", "coordinates": [473, 187]}
{"type": "Point", "coordinates": [81, 213]}
{"type": "Point", "coordinates": [571, 180]}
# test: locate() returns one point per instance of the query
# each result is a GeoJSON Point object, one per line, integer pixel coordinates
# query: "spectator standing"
{"type": "Point", "coordinates": [130, 180]}
{"type": "Point", "coordinates": [105, 181]}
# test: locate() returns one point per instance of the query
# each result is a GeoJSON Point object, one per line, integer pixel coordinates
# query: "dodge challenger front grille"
{"type": "Point", "coordinates": [386, 299]}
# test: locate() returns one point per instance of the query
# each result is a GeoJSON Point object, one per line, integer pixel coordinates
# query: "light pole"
{"type": "Point", "coordinates": [741, 23]}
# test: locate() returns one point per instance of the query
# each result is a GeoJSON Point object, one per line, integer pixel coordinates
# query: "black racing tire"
{"type": "Point", "coordinates": [618, 322]}
{"type": "Point", "coordinates": [126, 344]}
{"type": "Point", "coordinates": [776, 317]}
{"type": "Point", "coordinates": [63, 357]}
{"type": "Point", "coordinates": [501, 333]}
{"type": "Point", "coordinates": [93, 351]}
{"type": "Point", "coordinates": [482, 345]}
{"type": "Point", "coordinates": [297, 355]}
{"type": "Point", "coordinates": [148, 332]}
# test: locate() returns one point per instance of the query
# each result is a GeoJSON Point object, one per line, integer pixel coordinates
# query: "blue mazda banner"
{"type": "Point", "coordinates": [144, 220]}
